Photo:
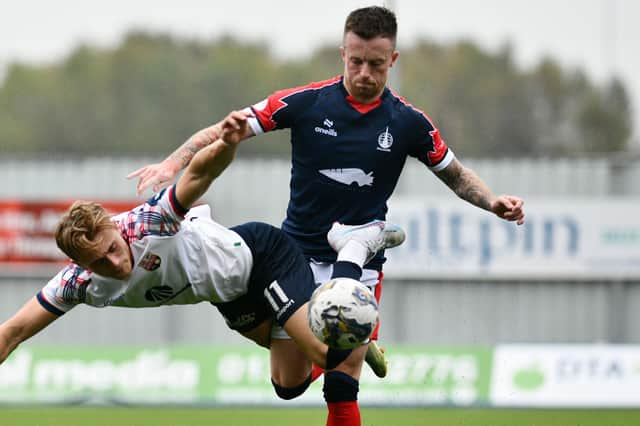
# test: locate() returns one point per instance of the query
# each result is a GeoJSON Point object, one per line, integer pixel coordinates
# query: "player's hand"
{"type": "Point", "coordinates": [235, 127]}
{"type": "Point", "coordinates": [509, 208]}
{"type": "Point", "coordinates": [155, 176]}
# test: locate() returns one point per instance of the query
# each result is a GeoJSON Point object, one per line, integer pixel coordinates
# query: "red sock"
{"type": "Point", "coordinates": [345, 413]}
{"type": "Point", "coordinates": [316, 372]}
{"type": "Point", "coordinates": [377, 292]}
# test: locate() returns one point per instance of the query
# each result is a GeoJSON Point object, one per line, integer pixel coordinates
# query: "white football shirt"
{"type": "Point", "coordinates": [178, 258]}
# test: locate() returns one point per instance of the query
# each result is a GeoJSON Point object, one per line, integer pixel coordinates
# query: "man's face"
{"type": "Point", "coordinates": [110, 258]}
{"type": "Point", "coordinates": [366, 66]}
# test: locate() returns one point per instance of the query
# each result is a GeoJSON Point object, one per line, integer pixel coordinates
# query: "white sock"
{"type": "Point", "coordinates": [354, 252]}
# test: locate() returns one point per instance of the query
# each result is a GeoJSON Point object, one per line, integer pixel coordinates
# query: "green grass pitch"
{"type": "Point", "coordinates": [240, 416]}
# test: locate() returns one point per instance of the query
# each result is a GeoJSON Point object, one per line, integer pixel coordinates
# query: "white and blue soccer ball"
{"type": "Point", "coordinates": [343, 313]}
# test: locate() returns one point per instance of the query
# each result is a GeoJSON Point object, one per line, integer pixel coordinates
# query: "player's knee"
{"type": "Point", "coordinates": [340, 387]}
{"type": "Point", "coordinates": [290, 393]}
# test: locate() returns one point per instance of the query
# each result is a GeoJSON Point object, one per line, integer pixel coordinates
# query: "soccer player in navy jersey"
{"type": "Point", "coordinates": [350, 137]}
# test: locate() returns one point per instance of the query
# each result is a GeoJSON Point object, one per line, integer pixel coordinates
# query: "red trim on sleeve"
{"type": "Point", "coordinates": [265, 110]}
{"type": "Point", "coordinates": [404, 101]}
{"type": "Point", "coordinates": [439, 148]}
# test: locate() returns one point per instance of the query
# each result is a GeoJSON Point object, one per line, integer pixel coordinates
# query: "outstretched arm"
{"type": "Point", "coordinates": [317, 352]}
{"type": "Point", "coordinates": [211, 161]}
{"type": "Point", "coordinates": [29, 320]}
{"type": "Point", "coordinates": [298, 328]}
{"type": "Point", "coordinates": [159, 175]}
{"type": "Point", "coordinates": [468, 186]}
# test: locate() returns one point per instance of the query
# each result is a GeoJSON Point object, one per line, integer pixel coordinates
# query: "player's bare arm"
{"type": "Point", "coordinates": [466, 184]}
{"type": "Point", "coordinates": [206, 165]}
{"type": "Point", "coordinates": [211, 161]}
{"type": "Point", "coordinates": [160, 175]}
{"type": "Point", "coordinates": [298, 328]}
{"type": "Point", "coordinates": [29, 320]}
{"type": "Point", "coordinates": [235, 127]}
{"type": "Point", "coordinates": [182, 156]}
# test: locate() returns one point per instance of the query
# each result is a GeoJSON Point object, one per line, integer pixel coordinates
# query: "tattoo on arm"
{"type": "Point", "coordinates": [185, 153]}
{"type": "Point", "coordinates": [195, 143]}
{"type": "Point", "coordinates": [466, 184]}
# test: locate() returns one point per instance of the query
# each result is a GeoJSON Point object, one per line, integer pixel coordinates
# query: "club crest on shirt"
{"type": "Point", "coordinates": [150, 262]}
{"type": "Point", "coordinates": [385, 140]}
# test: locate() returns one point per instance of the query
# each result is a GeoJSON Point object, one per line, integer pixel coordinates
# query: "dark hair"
{"type": "Point", "coordinates": [371, 22]}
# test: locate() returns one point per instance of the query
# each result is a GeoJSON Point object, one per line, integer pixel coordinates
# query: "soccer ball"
{"type": "Point", "coordinates": [343, 313]}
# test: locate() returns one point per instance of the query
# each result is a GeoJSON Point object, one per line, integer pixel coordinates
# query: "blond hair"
{"type": "Point", "coordinates": [78, 228]}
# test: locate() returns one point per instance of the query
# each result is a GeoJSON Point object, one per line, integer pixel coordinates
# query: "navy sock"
{"type": "Point", "coordinates": [340, 387]}
{"type": "Point", "coordinates": [344, 269]}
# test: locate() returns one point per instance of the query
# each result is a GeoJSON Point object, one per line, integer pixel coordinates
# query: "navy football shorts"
{"type": "Point", "coordinates": [281, 280]}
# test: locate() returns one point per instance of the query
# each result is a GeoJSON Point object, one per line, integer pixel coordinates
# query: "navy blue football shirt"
{"type": "Point", "coordinates": [346, 157]}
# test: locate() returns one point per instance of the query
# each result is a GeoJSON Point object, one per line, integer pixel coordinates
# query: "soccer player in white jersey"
{"type": "Point", "coordinates": [166, 252]}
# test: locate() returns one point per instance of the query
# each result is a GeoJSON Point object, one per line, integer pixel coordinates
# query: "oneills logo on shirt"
{"type": "Point", "coordinates": [329, 131]}
{"type": "Point", "coordinates": [150, 262]}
